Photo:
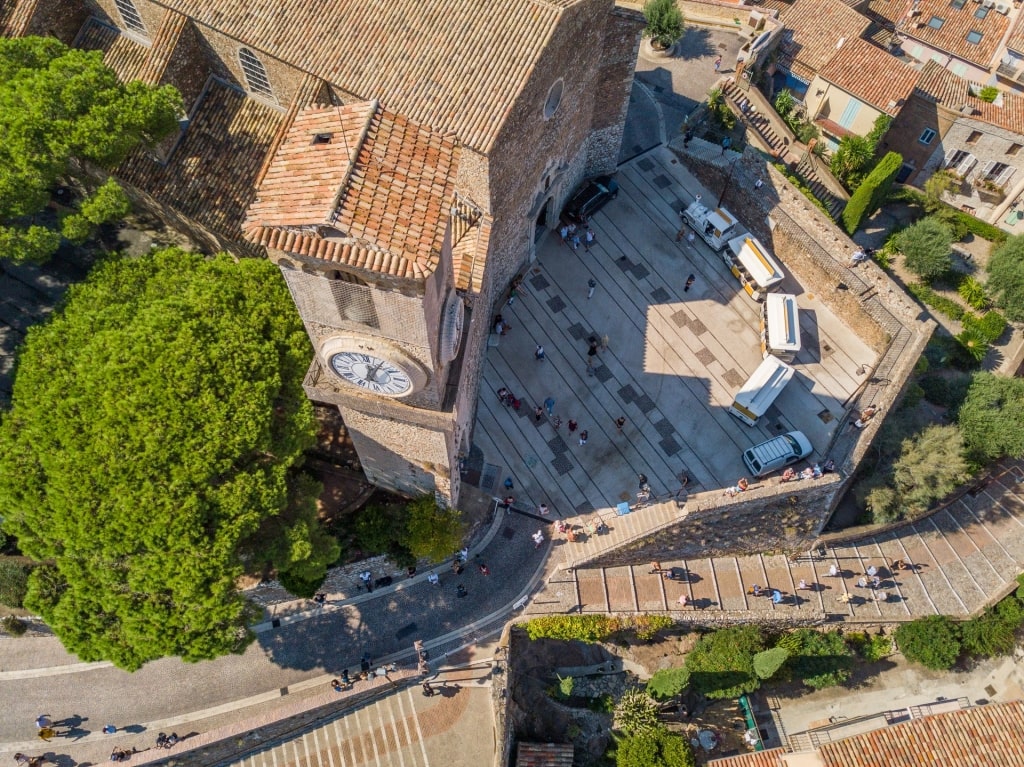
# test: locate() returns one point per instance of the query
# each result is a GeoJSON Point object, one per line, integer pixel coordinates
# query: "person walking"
{"type": "Point", "coordinates": [507, 503]}
{"type": "Point", "coordinates": [43, 720]}
{"type": "Point", "coordinates": [689, 283]}
{"type": "Point", "coordinates": [718, 63]}
{"type": "Point", "coordinates": [583, 437]}
{"type": "Point", "coordinates": [538, 414]}
{"type": "Point", "coordinates": [549, 405]}
{"type": "Point", "coordinates": [509, 484]}
{"type": "Point", "coordinates": [619, 423]}
{"type": "Point", "coordinates": [588, 239]}
{"type": "Point", "coordinates": [538, 539]}
{"type": "Point", "coordinates": [564, 232]}
{"type": "Point", "coordinates": [592, 285]}
{"type": "Point", "coordinates": [320, 598]}
{"type": "Point", "coordinates": [572, 426]}
{"type": "Point", "coordinates": [543, 509]}
{"type": "Point", "coordinates": [433, 580]}
{"type": "Point", "coordinates": [538, 353]}
{"type": "Point", "coordinates": [428, 691]}
{"type": "Point", "coordinates": [46, 733]}
{"type": "Point", "coordinates": [576, 241]}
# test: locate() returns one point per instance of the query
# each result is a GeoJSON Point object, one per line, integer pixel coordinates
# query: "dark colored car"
{"type": "Point", "coordinates": [590, 198]}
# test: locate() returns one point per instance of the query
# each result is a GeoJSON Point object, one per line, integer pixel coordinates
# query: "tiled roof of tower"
{"type": "Point", "coordinates": [890, 81]}
{"type": "Point", "coordinates": [383, 182]}
{"type": "Point", "coordinates": [544, 755]}
{"type": "Point", "coordinates": [311, 165]}
{"type": "Point", "coordinates": [122, 54]}
{"type": "Point", "coordinates": [450, 66]}
{"type": "Point", "coordinates": [768, 758]}
{"type": "Point", "coordinates": [940, 85]}
{"type": "Point", "coordinates": [1015, 42]}
{"type": "Point", "coordinates": [951, 35]}
{"type": "Point", "coordinates": [211, 176]}
{"type": "Point", "coordinates": [814, 29]}
{"type": "Point", "coordinates": [982, 736]}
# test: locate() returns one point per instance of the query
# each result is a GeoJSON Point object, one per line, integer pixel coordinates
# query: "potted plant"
{"type": "Point", "coordinates": [664, 25]}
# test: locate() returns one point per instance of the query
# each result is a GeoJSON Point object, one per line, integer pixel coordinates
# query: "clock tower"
{"type": "Point", "coordinates": [359, 209]}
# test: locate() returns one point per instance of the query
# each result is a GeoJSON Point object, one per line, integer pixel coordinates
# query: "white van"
{"type": "Point", "coordinates": [773, 454]}
{"type": "Point", "coordinates": [753, 400]}
{"type": "Point", "coordinates": [780, 327]}
{"type": "Point", "coordinates": [752, 264]}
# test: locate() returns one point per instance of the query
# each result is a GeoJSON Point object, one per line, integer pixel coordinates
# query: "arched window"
{"type": "Point", "coordinates": [130, 14]}
{"type": "Point", "coordinates": [554, 99]}
{"type": "Point", "coordinates": [255, 73]}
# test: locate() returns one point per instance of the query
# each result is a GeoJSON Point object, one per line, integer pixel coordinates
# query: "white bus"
{"type": "Point", "coordinates": [753, 400]}
{"type": "Point", "coordinates": [780, 326]}
{"type": "Point", "coordinates": [752, 264]}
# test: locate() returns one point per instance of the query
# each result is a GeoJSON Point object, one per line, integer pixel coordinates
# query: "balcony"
{"type": "Point", "coordinates": [989, 190]}
{"type": "Point", "coordinates": [1009, 71]}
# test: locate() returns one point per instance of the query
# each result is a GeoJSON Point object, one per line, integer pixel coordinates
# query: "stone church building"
{"type": "Point", "coordinates": [397, 159]}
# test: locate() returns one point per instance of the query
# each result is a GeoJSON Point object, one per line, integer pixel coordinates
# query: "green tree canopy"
{"type": "Point", "coordinates": [59, 106]}
{"type": "Point", "coordinates": [665, 21]}
{"type": "Point", "coordinates": [851, 158]}
{"type": "Point", "coordinates": [1006, 277]}
{"type": "Point", "coordinates": [934, 642]}
{"type": "Point", "coordinates": [657, 748]}
{"type": "Point", "coordinates": [721, 664]}
{"type": "Point", "coordinates": [930, 467]}
{"type": "Point", "coordinates": [150, 456]}
{"type": "Point", "coordinates": [819, 659]}
{"type": "Point", "coordinates": [432, 532]}
{"type": "Point", "coordinates": [992, 417]}
{"type": "Point", "coordinates": [926, 247]}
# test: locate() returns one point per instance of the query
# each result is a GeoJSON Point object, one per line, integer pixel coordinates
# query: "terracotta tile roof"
{"type": "Point", "coordinates": [938, 85]}
{"type": "Point", "coordinates": [872, 75]}
{"type": "Point", "coordinates": [755, 759]}
{"type": "Point", "coordinates": [120, 52]}
{"type": "Point", "coordinates": [211, 176]}
{"type": "Point", "coordinates": [450, 66]}
{"type": "Point", "coordinates": [1015, 42]}
{"type": "Point", "coordinates": [813, 31]}
{"type": "Point", "coordinates": [952, 36]}
{"type": "Point", "coordinates": [385, 184]}
{"type": "Point", "coordinates": [469, 256]}
{"type": "Point", "coordinates": [983, 736]}
{"type": "Point", "coordinates": [544, 755]}
{"type": "Point", "coordinates": [15, 17]}
{"type": "Point", "coordinates": [163, 46]}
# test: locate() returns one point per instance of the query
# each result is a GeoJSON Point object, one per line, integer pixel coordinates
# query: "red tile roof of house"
{"type": "Point", "coordinates": [544, 755]}
{"type": "Point", "coordinates": [1015, 42]}
{"type": "Point", "coordinates": [941, 86]}
{"type": "Point", "coordinates": [814, 29]}
{"type": "Point", "coordinates": [385, 184]}
{"type": "Point", "coordinates": [127, 57]}
{"type": "Point", "coordinates": [451, 66]}
{"type": "Point", "coordinates": [890, 80]}
{"type": "Point", "coordinates": [754, 759]}
{"type": "Point", "coordinates": [983, 736]}
{"type": "Point", "coordinates": [951, 38]}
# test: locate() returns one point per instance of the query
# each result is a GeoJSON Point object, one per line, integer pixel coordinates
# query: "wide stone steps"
{"type": "Point", "coordinates": [964, 557]}
{"type": "Point", "coordinates": [807, 173]}
{"type": "Point", "coordinates": [754, 119]}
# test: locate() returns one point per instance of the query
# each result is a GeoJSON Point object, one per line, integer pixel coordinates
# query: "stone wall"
{"type": "Point", "coordinates": [772, 517]}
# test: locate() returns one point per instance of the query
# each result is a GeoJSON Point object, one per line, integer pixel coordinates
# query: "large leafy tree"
{"type": "Point", "coordinates": [992, 417]}
{"type": "Point", "coordinates": [1006, 277]}
{"type": "Point", "coordinates": [721, 664]}
{"type": "Point", "coordinates": [656, 748]}
{"type": "Point", "coordinates": [150, 457]}
{"type": "Point", "coordinates": [926, 247]}
{"type": "Point", "coordinates": [60, 107]}
{"type": "Point", "coordinates": [931, 466]}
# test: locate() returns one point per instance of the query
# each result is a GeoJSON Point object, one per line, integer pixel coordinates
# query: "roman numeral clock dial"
{"type": "Point", "coordinates": [371, 367]}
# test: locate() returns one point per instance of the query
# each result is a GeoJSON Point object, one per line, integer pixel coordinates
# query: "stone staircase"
{"type": "Point", "coordinates": [808, 174]}
{"type": "Point", "coordinates": [755, 120]}
{"type": "Point", "coordinates": [965, 556]}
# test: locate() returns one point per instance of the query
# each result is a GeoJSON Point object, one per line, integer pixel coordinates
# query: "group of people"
{"type": "Point", "coordinates": [570, 235]}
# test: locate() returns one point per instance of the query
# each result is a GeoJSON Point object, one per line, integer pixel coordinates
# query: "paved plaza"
{"type": "Point", "coordinates": [674, 360]}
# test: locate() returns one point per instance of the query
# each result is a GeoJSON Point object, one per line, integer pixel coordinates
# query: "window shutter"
{"type": "Point", "coordinates": [1005, 175]}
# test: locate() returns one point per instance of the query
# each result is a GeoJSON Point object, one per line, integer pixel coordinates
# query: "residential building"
{"type": "Point", "coordinates": [375, 152]}
{"type": "Point", "coordinates": [946, 126]}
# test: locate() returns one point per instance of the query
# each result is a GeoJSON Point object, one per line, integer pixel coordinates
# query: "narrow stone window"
{"type": "Point", "coordinates": [130, 15]}
{"type": "Point", "coordinates": [255, 73]}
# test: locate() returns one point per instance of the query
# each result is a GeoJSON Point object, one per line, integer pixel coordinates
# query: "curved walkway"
{"type": "Point", "coordinates": [964, 556]}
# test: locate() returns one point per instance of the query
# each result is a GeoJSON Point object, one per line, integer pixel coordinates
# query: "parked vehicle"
{"type": "Point", "coordinates": [759, 392]}
{"type": "Point", "coordinates": [715, 227]}
{"type": "Point", "coordinates": [752, 264]}
{"type": "Point", "coordinates": [777, 452]}
{"type": "Point", "coordinates": [780, 327]}
{"type": "Point", "coordinates": [590, 198]}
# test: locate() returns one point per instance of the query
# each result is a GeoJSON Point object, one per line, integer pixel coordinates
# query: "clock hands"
{"type": "Point", "coordinates": [371, 374]}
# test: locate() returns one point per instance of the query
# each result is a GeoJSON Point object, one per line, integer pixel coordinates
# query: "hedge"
{"type": "Point", "coordinates": [929, 297]}
{"type": "Point", "coordinates": [872, 192]}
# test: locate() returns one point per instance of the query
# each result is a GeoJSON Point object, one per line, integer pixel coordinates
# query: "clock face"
{"type": "Point", "coordinates": [375, 374]}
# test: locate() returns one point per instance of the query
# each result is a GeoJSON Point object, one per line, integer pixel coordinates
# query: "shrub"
{"type": "Point", "coordinates": [948, 391]}
{"type": "Point", "coordinates": [565, 686]}
{"type": "Point", "coordinates": [721, 664]}
{"type": "Point", "coordinates": [884, 504]}
{"type": "Point", "coordinates": [926, 248]}
{"type": "Point", "coordinates": [431, 531]}
{"type": "Point", "coordinates": [657, 748]}
{"type": "Point", "coordinates": [974, 344]}
{"type": "Point", "coordinates": [784, 103]}
{"type": "Point", "coordinates": [767, 662]}
{"type": "Point", "coordinates": [973, 292]}
{"type": "Point", "coordinates": [929, 297]}
{"type": "Point", "coordinates": [584, 628]}
{"type": "Point", "coordinates": [14, 626]}
{"type": "Point", "coordinates": [872, 192]}
{"type": "Point", "coordinates": [992, 417]}
{"type": "Point", "coordinates": [989, 93]}
{"type": "Point", "coordinates": [636, 713]}
{"type": "Point", "coordinates": [13, 583]}
{"type": "Point", "coordinates": [871, 647]}
{"type": "Point", "coordinates": [931, 466]}
{"type": "Point", "coordinates": [668, 682]}
{"type": "Point", "coordinates": [990, 326]}
{"type": "Point", "coordinates": [602, 704]}
{"type": "Point", "coordinates": [934, 642]}
{"type": "Point", "coordinates": [647, 626]}
{"type": "Point", "coordinates": [821, 659]}
{"type": "Point", "coordinates": [994, 631]}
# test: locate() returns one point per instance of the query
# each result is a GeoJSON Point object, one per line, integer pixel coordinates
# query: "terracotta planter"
{"type": "Point", "coordinates": [648, 51]}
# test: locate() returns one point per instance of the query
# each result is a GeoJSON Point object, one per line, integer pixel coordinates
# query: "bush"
{"type": "Point", "coordinates": [926, 248]}
{"type": "Point", "coordinates": [820, 659]}
{"type": "Point", "coordinates": [565, 686]}
{"type": "Point", "coordinates": [992, 417]}
{"type": "Point", "coordinates": [990, 326]}
{"type": "Point", "coordinates": [768, 662]}
{"type": "Point", "coordinates": [14, 626]}
{"type": "Point", "coordinates": [974, 344]}
{"type": "Point", "coordinates": [989, 93]}
{"type": "Point", "coordinates": [1006, 277]}
{"type": "Point", "coordinates": [636, 713]}
{"type": "Point", "coordinates": [721, 664]}
{"type": "Point", "coordinates": [668, 682]}
{"type": "Point", "coordinates": [583, 628]}
{"type": "Point", "coordinates": [13, 583]}
{"type": "Point", "coordinates": [973, 292]}
{"type": "Point", "coordinates": [994, 632]}
{"type": "Point", "coordinates": [870, 647]}
{"type": "Point", "coordinates": [931, 466]}
{"type": "Point", "coordinates": [647, 626]}
{"type": "Point", "coordinates": [948, 391]}
{"type": "Point", "coordinates": [872, 192]}
{"type": "Point", "coordinates": [431, 532]}
{"type": "Point", "coordinates": [602, 704]}
{"type": "Point", "coordinates": [934, 642]}
{"type": "Point", "coordinates": [657, 748]}
{"type": "Point", "coordinates": [929, 297]}
{"type": "Point", "coordinates": [883, 502]}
